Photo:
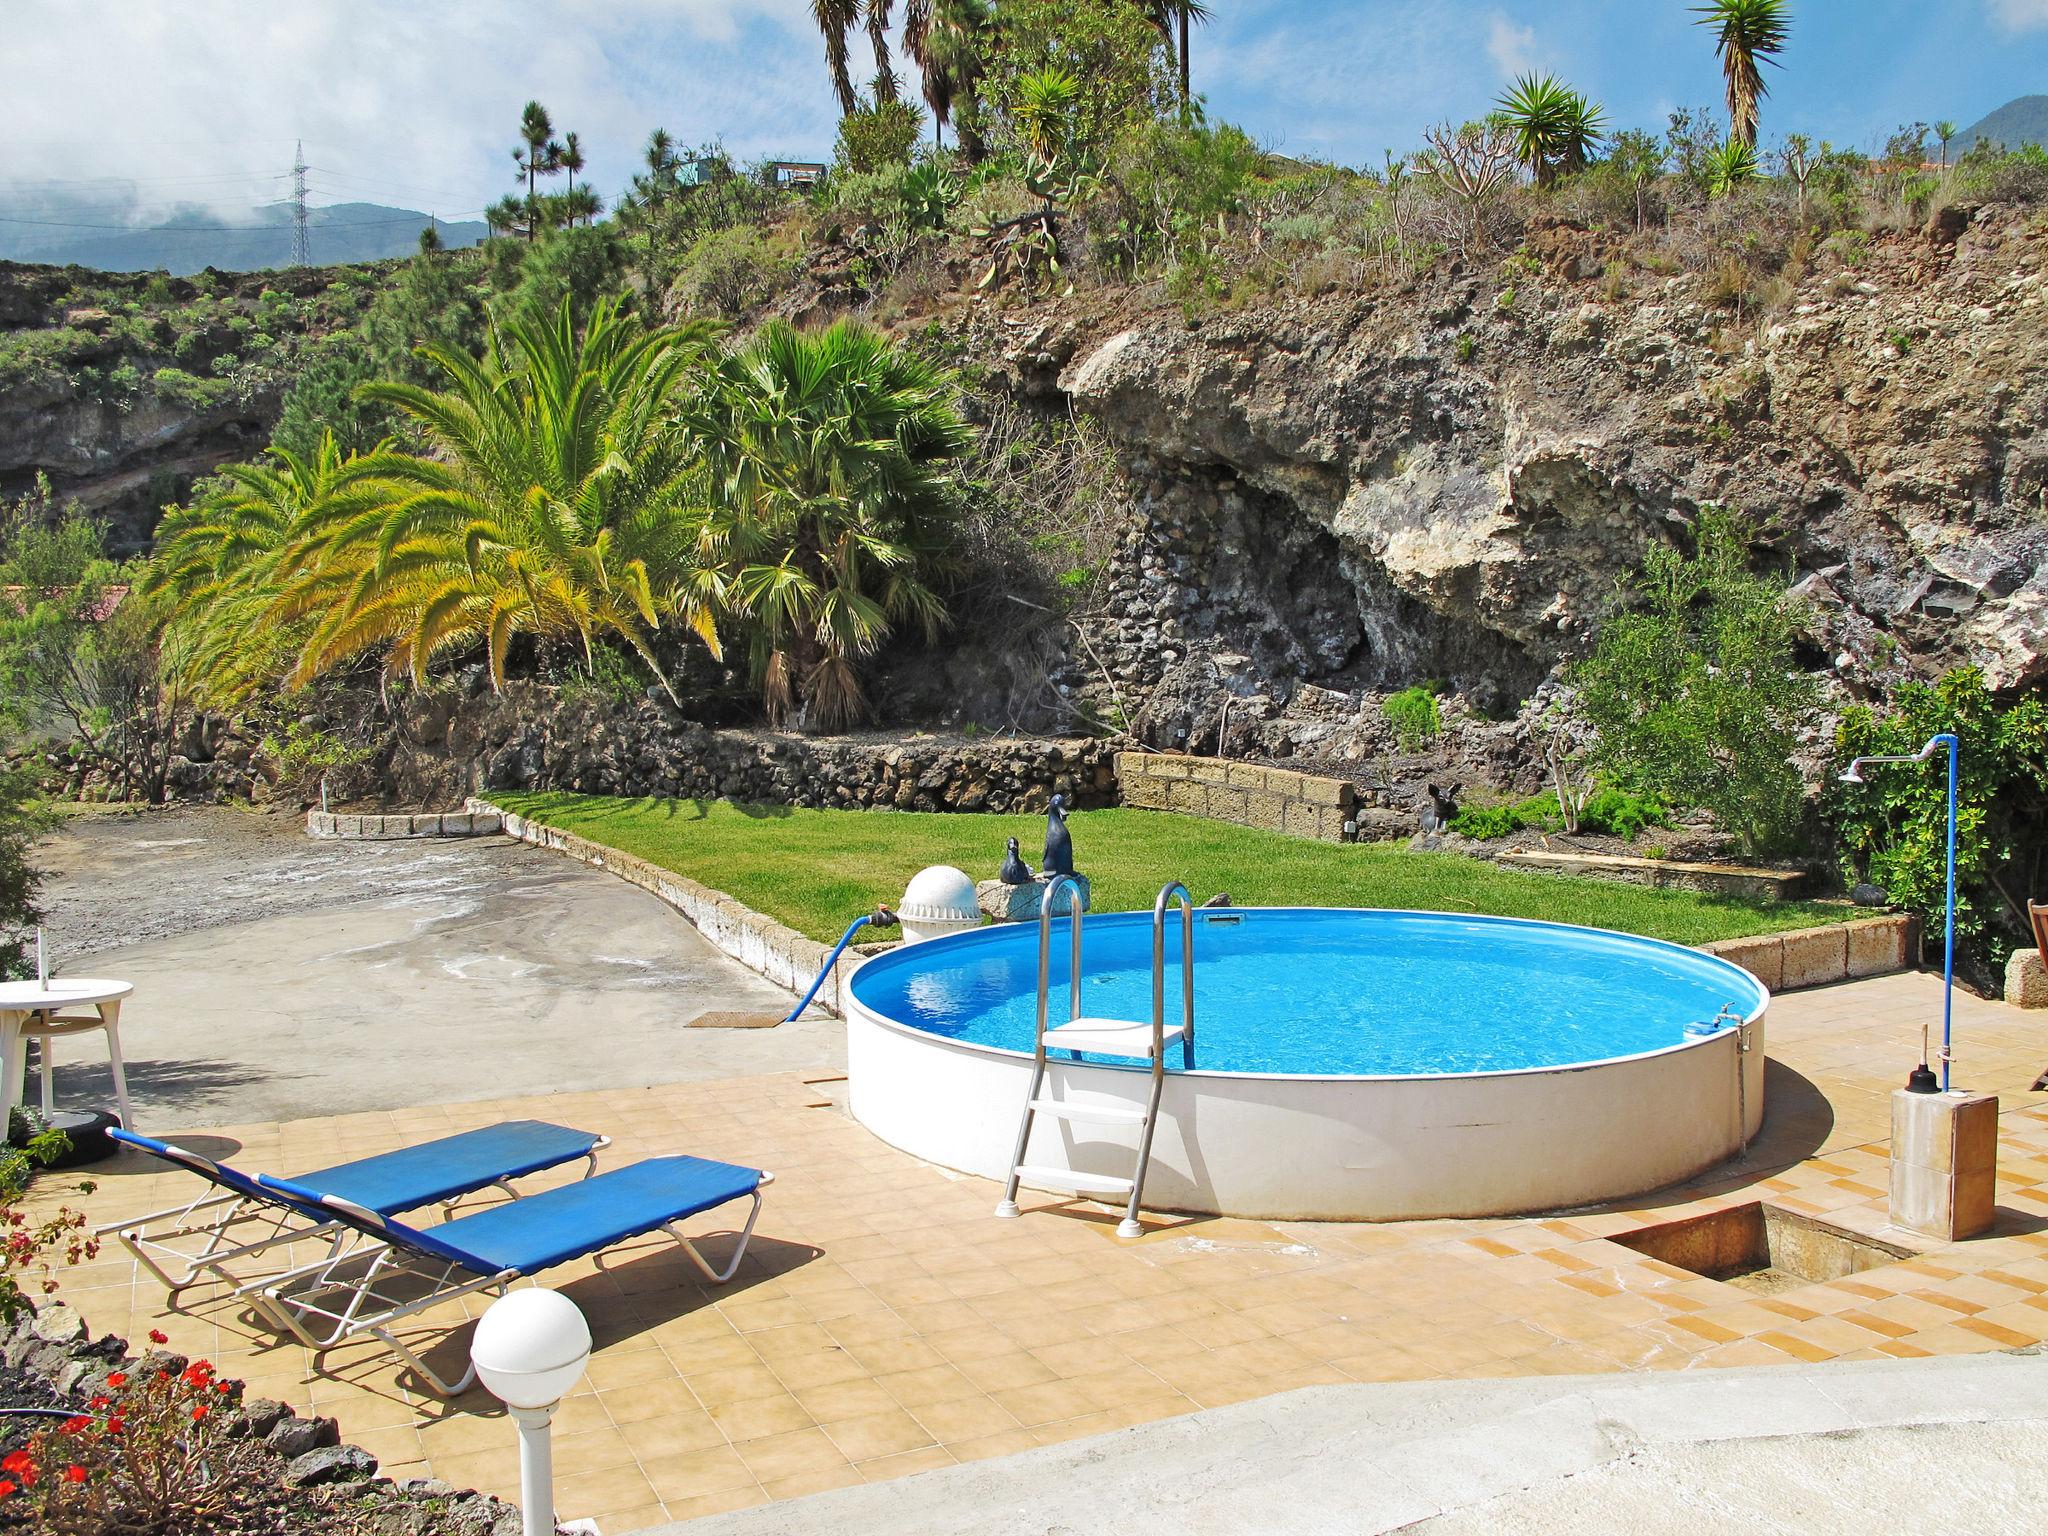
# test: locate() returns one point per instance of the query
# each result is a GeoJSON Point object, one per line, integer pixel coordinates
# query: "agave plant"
{"type": "Point", "coordinates": [1556, 128]}
{"type": "Point", "coordinates": [1730, 166]}
{"type": "Point", "coordinates": [831, 505]}
{"type": "Point", "coordinates": [559, 502]}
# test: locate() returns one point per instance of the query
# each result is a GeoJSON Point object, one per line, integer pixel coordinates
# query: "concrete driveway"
{"type": "Point", "coordinates": [277, 977]}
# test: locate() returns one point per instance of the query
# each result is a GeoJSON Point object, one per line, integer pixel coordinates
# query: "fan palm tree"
{"type": "Point", "coordinates": [1556, 128]}
{"type": "Point", "coordinates": [835, 19]}
{"type": "Point", "coordinates": [1749, 33]}
{"type": "Point", "coordinates": [945, 39]}
{"type": "Point", "coordinates": [558, 502]}
{"type": "Point", "coordinates": [1946, 131]}
{"type": "Point", "coordinates": [829, 453]}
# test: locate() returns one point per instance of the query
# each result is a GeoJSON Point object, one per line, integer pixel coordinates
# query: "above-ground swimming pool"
{"type": "Point", "coordinates": [1348, 1065]}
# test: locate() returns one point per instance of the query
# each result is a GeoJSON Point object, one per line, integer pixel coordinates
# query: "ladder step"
{"type": "Point", "coordinates": [1066, 1178]}
{"type": "Point", "coordinates": [1109, 1037]}
{"type": "Point", "coordinates": [1098, 1114]}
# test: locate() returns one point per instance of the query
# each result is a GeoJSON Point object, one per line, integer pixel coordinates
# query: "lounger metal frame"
{"type": "Point", "coordinates": [213, 1215]}
{"type": "Point", "coordinates": [296, 1301]}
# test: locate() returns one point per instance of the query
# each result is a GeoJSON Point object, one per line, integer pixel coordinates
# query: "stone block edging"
{"type": "Point", "coordinates": [758, 942]}
{"type": "Point", "coordinates": [1813, 957]}
{"type": "Point", "coordinates": [1247, 794]}
{"type": "Point", "coordinates": [380, 828]}
{"type": "Point", "coordinates": [1661, 874]}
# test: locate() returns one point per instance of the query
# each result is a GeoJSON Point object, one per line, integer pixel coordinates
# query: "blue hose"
{"type": "Point", "coordinates": [881, 917]}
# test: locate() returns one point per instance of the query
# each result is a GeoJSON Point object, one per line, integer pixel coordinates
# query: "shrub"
{"type": "Point", "coordinates": [188, 389]}
{"type": "Point", "coordinates": [1695, 693]}
{"type": "Point", "coordinates": [1995, 174]}
{"type": "Point", "coordinates": [1487, 822]}
{"type": "Point", "coordinates": [1415, 716]}
{"type": "Point", "coordinates": [730, 271]}
{"type": "Point", "coordinates": [308, 754]}
{"type": "Point", "coordinates": [878, 136]}
{"type": "Point", "coordinates": [1616, 812]}
{"type": "Point", "coordinates": [23, 818]}
{"type": "Point", "coordinates": [1893, 828]}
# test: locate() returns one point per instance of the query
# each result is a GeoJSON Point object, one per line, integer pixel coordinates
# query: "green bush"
{"type": "Point", "coordinates": [188, 389]}
{"type": "Point", "coordinates": [1487, 821]}
{"type": "Point", "coordinates": [1610, 810]}
{"type": "Point", "coordinates": [1893, 828]}
{"type": "Point", "coordinates": [730, 270]}
{"type": "Point", "coordinates": [1992, 173]}
{"type": "Point", "coordinates": [1695, 692]}
{"type": "Point", "coordinates": [878, 136]}
{"type": "Point", "coordinates": [1415, 716]}
{"type": "Point", "coordinates": [23, 819]}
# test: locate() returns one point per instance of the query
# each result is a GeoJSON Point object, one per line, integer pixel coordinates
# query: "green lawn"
{"type": "Point", "coordinates": [818, 870]}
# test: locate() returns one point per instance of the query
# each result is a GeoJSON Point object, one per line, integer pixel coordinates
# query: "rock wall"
{"type": "Point", "coordinates": [450, 743]}
{"type": "Point", "coordinates": [1339, 497]}
{"type": "Point", "coordinates": [1245, 793]}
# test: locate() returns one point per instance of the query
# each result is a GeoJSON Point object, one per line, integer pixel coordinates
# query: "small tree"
{"type": "Point", "coordinates": [80, 652]}
{"type": "Point", "coordinates": [1894, 826]}
{"type": "Point", "coordinates": [23, 818]}
{"type": "Point", "coordinates": [1694, 691]}
{"type": "Point", "coordinates": [878, 136]}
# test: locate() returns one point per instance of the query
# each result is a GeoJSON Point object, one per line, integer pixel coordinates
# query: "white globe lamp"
{"type": "Point", "coordinates": [529, 1349]}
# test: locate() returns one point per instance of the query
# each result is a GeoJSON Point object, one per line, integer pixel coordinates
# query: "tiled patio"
{"type": "Point", "coordinates": [889, 1324]}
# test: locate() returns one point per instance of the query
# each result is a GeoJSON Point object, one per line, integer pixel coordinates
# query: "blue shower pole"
{"type": "Point", "coordinates": [1948, 957]}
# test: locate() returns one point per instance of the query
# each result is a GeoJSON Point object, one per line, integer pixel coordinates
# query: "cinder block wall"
{"type": "Point", "coordinates": [1244, 793]}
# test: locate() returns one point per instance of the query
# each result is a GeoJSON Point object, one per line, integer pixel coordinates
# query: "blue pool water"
{"type": "Point", "coordinates": [1330, 993]}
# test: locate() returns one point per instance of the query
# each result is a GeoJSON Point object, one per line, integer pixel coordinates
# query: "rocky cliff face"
{"type": "Point", "coordinates": [1338, 497]}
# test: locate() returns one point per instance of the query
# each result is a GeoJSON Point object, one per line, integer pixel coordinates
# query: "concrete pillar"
{"type": "Point", "coordinates": [1944, 1162]}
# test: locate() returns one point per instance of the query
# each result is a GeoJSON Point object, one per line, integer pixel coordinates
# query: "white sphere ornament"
{"type": "Point", "coordinates": [938, 900]}
{"type": "Point", "coordinates": [530, 1348]}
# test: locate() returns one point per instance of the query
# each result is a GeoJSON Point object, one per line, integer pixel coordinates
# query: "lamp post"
{"type": "Point", "coordinates": [1921, 1080]}
{"type": "Point", "coordinates": [529, 1349]}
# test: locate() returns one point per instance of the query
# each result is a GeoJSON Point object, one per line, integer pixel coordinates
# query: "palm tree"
{"type": "Point", "coordinates": [835, 19]}
{"type": "Point", "coordinates": [234, 567]}
{"type": "Point", "coordinates": [651, 192]}
{"type": "Point", "coordinates": [1946, 131]}
{"type": "Point", "coordinates": [830, 451]}
{"type": "Point", "coordinates": [580, 205]}
{"type": "Point", "coordinates": [1556, 128]}
{"type": "Point", "coordinates": [877, 13]}
{"type": "Point", "coordinates": [1172, 18]}
{"type": "Point", "coordinates": [1750, 32]}
{"type": "Point", "coordinates": [1730, 167]}
{"type": "Point", "coordinates": [571, 159]}
{"type": "Point", "coordinates": [559, 502]}
{"type": "Point", "coordinates": [945, 39]}
{"type": "Point", "coordinates": [538, 155]}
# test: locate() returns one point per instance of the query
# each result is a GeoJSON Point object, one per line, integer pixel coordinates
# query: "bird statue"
{"type": "Point", "coordinates": [1014, 871]}
{"type": "Point", "coordinates": [1059, 843]}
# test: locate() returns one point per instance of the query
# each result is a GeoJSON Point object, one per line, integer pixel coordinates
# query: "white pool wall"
{"type": "Point", "coordinates": [1295, 1147]}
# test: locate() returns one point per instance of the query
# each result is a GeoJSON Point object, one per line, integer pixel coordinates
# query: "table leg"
{"type": "Point", "coordinates": [12, 1053]}
{"type": "Point", "coordinates": [110, 1015]}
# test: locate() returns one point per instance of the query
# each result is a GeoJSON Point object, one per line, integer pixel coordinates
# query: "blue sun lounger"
{"type": "Point", "coordinates": [238, 1217]}
{"type": "Point", "coordinates": [415, 1268]}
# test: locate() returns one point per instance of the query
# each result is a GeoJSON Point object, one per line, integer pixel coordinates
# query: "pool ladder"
{"type": "Point", "coordinates": [1127, 1038]}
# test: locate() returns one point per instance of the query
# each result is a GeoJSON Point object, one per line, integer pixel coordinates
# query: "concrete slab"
{"type": "Point", "coordinates": [278, 976]}
{"type": "Point", "coordinates": [1943, 1444]}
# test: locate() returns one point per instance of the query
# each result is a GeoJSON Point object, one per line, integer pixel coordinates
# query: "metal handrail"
{"type": "Point", "coordinates": [1167, 891]}
{"type": "Point", "coordinates": [1045, 917]}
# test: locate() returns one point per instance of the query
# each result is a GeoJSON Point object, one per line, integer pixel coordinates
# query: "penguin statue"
{"type": "Point", "coordinates": [1014, 871]}
{"type": "Point", "coordinates": [1059, 843]}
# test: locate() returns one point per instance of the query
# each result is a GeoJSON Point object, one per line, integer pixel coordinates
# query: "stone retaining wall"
{"type": "Point", "coordinates": [1662, 874]}
{"type": "Point", "coordinates": [1247, 794]}
{"type": "Point", "coordinates": [422, 824]}
{"type": "Point", "coordinates": [761, 944]}
{"type": "Point", "coordinates": [1813, 957]}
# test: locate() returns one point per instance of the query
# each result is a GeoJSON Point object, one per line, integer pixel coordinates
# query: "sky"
{"type": "Point", "coordinates": [414, 102]}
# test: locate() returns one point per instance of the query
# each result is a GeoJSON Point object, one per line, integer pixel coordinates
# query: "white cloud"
{"type": "Point", "coordinates": [202, 100]}
{"type": "Point", "coordinates": [2020, 15]}
{"type": "Point", "coordinates": [1512, 48]}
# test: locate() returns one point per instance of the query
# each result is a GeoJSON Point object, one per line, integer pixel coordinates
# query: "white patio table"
{"type": "Point", "coordinates": [38, 1009]}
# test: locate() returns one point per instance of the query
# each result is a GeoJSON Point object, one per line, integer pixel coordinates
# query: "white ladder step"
{"type": "Point", "coordinates": [1098, 1114]}
{"type": "Point", "coordinates": [1066, 1178]}
{"type": "Point", "coordinates": [1109, 1037]}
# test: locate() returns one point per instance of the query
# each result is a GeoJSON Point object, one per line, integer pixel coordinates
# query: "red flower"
{"type": "Point", "coordinates": [199, 1413]}
{"type": "Point", "coordinates": [98, 1401]}
{"type": "Point", "coordinates": [114, 1423]}
{"type": "Point", "coordinates": [73, 1425]}
{"type": "Point", "coordinates": [17, 1462]}
{"type": "Point", "coordinates": [117, 1379]}
{"type": "Point", "coordinates": [74, 1473]}
{"type": "Point", "coordinates": [7, 1487]}
{"type": "Point", "coordinates": [158, 1336]}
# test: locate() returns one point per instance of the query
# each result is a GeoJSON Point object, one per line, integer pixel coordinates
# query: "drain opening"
{"type": "Point", "coordinates": [1762, 1248]}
